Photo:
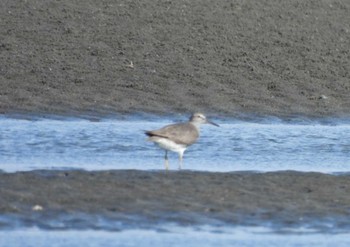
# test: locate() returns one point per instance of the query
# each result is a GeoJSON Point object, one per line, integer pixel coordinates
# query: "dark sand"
{"type": "Point", "coordinates": [222, 57]}
{"type": "Point", "coordinates": [277, 199]}
{"type": "Point", "coordinates": [266, 57]}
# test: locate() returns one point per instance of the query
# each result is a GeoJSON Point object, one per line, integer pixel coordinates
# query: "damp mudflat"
{"type": "Point", "coordinates": [250, 182]}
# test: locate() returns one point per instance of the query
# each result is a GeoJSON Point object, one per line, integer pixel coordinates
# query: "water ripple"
{"type": "Point", "coordinates": [40, 143]}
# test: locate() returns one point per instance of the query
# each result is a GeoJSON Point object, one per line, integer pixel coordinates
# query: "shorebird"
{"type": "Point", "coordinates": [177, 137]}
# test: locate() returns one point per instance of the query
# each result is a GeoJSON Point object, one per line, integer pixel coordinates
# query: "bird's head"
{"type": "Point", "coordinates": [199, 118]}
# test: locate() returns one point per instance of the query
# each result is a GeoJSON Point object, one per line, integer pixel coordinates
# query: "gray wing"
{"type": "Point", "coordinates": [183, 133]}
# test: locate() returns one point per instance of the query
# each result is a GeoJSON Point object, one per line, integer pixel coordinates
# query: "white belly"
{"type": "Point", "coordinates": [170, 145]}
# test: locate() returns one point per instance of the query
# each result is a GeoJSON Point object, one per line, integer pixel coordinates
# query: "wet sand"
{"type": "Point", "coordinates": [265, 57]}
{"type": "Point", "coordinates": [278, 199]}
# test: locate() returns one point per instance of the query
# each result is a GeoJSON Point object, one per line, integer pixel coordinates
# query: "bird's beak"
{"type": "Point", "coordinates": [212, 123]}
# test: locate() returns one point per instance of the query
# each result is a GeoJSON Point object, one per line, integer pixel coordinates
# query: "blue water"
{"type": "Point", "coordinates": [190, 237]}
{"type": "Point", "coordinates": [29, 143]}
{"type": "Point", "coordinates": [74, 143]}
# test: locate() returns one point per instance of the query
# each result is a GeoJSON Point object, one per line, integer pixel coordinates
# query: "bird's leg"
{"type": "Point", "coordinates": [180, 161]}
{"type": "Point", "coordinates": [166, 160]}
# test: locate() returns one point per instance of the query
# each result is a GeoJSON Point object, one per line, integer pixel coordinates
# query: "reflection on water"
{"type": "Point", "coordinates": [120, 144]}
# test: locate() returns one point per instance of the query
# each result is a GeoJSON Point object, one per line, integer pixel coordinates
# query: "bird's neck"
{"type": "Point", "coordinates": [196, 125]}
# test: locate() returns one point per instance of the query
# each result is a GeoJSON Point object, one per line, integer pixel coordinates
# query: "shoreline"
{"type": "Point", "coordinates": [181, 116]}
{"type": "Point", "coordinates": [280, 199]}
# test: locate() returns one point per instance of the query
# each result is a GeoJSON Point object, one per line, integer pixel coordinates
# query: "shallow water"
{"type": "Point", "coordinates": [175, 237]}
{"type": "Point", "coordinates": [29, 143]}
